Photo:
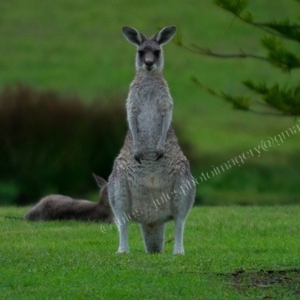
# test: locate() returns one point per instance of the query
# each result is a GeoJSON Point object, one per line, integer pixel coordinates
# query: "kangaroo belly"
{"type": "Point", "coordinates": [150, 199]}
{"type": "Point", "coordinates": [148, 211]}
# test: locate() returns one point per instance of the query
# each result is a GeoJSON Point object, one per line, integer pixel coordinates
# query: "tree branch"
{"type": "Point", "coordinates": [208, 52]}
{"type": "Point", "coordinates": [235, 104]}
{"type": "Point", "coordinates": [267, 27]}
{"type": "Point", "coordinates": [267, 113]}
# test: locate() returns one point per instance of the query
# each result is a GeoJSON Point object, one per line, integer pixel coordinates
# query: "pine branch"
{"type": "Point", "coordinates": [238, 102]}
{"type": "Point", "coordinates": [281, 29]}
{"type": "Point", "coordinates": [284, 99]}
{"type": "Point", "coordinates": [279, 56]}
{"type": "Point", "coordinates": [234, 6]}
{"type": "Point", "coordinates": [284, 29]}
{"type": "Point", "coordinates": [208, 52]}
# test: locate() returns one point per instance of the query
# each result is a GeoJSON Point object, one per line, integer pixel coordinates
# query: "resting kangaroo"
{"type": "Point", "coordinates": [58, 207]}
{"type": "Point", "coordinates": [151, 182]}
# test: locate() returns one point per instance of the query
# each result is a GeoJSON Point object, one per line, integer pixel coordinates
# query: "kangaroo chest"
{"type": "Point", "coordinates": [150, 114]}
{"type": "Point", "coordinates": [149, 104]}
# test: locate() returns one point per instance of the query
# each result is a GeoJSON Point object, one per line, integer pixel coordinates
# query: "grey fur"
{"type": "Point", "coordinates": [151, 182]}
{"type": "Point", "coordinates": [58, 207]}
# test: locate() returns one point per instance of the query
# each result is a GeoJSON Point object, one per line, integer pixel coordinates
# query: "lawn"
{"type": "Point", "coordinates": [231, 253]}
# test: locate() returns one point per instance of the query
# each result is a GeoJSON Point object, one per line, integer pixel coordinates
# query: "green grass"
{"type": "Point", "coordinates": [74, 260]}
{"type": "Point", "coordinates": [78, 47]}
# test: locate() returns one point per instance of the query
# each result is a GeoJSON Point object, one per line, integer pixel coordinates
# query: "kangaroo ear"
{"type": "Point", "coordinates": [165, 35]}
{"type": "Point", "coordinates": [100, 181]}
{"type": "Point", "coordinates": [133, 36]}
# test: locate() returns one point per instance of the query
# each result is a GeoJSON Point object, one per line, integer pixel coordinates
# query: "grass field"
{"type": "Point", "coordinates": [78, 47]}
{"type": "Point", "coordinates": [231, 253]}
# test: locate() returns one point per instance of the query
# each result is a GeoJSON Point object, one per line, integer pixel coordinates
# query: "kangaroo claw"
{"type": "Point", "coordinates": [138, 157]}
{"type": "Point", "coordinates": [159, 155]}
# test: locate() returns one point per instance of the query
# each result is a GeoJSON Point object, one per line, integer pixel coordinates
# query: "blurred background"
{"type": "Point", "coordinates": [65, 70]}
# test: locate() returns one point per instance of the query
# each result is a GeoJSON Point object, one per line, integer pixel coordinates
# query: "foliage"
{"type": "Point", "coordinates": [285, 100]}
{"type": "Point", "coordinates": [53, 143]}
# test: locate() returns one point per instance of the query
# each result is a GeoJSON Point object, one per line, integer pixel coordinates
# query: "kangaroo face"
{"type": "Point", "coordinates": [149, 53]}
{"type": "Point", "coordinates": [149, 56]}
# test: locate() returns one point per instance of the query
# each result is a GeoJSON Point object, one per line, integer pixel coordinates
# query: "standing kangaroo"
{"type": "Point", "coordinates": [151, 181]}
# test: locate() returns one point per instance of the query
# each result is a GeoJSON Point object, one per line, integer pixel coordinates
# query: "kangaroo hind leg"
{"type": "Point", "coordinates": [183, 202]}
{"type": "Point", "coordinates": [118, 199]}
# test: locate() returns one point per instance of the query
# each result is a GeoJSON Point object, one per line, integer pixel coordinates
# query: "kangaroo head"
{"type": "Point", "coordinates": [149, 51]}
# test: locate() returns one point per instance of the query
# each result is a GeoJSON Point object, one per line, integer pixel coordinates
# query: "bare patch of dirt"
{"type": "Point", "coordinates": [270, 284]}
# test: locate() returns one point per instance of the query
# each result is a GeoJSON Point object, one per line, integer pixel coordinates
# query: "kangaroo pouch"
{"type": "Point", "coordinates": [150, 204]}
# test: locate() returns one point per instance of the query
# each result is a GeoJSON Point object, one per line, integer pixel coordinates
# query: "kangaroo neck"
{"type": "Point", "coordinates": [144, 75]}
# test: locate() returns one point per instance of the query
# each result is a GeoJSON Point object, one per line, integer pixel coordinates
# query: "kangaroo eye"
{"type": "Point", "coordinates": [156, 53]}
{"type": "Point", "coordinates": [141, 52]}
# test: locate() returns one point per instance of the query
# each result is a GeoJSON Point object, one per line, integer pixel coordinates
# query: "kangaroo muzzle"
{"type": "Point", "coordinates": [149, 60]}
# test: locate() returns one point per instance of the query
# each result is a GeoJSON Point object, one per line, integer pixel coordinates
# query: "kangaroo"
{"type": "Point", "coordinates": [58, 207]}
{"type": "Point", "coordinates": [151, 182]}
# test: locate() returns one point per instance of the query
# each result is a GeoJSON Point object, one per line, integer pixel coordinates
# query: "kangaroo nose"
{"type": "Point", "coordinates": [149, 62]}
